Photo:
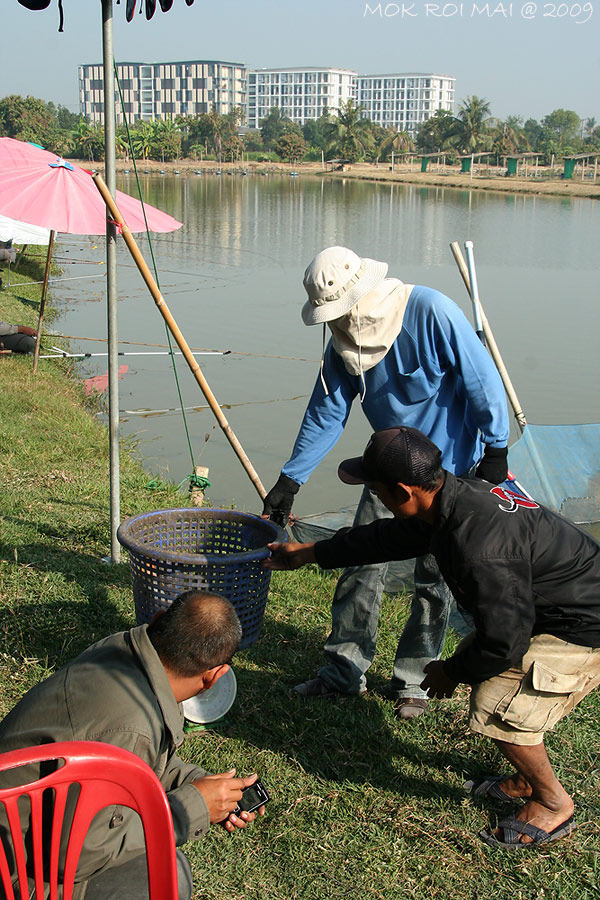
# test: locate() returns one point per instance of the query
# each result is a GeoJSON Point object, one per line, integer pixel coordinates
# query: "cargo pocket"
{"type": "Point", "coordinates": [541, 699]}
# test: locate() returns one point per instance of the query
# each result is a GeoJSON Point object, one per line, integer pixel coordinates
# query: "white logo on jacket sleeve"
{"type": "Point", "coordinates": [513, 499]}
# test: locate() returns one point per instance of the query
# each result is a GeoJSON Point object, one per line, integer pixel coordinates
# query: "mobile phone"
{"type": "Point", "coordinates": [252, 798]}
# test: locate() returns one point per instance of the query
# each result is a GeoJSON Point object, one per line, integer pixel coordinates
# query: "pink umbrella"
{"type": "Point", "coordinates": [39, 188]}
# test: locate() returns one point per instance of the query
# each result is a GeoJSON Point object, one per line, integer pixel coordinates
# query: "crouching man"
{"type": "Point", "coordinates": [531, 581]}
{"type": "Point", "coordinates": [126, 690]}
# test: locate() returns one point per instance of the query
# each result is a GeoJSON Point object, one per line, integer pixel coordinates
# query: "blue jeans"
{"type": "Point", "coordinates": [350, 647]}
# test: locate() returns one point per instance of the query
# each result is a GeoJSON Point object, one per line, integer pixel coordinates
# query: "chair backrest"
{"type": "Point", "coordinates": [105, 775]}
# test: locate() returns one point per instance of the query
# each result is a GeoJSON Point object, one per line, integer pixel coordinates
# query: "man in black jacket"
{"type": "Point", "coordinates": [531, 581]}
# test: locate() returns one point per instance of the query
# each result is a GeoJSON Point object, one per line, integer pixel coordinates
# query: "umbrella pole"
{"type": "Point", "coordinates": [36, 353]}
{"type": "Point", "coordinates": [181, 341]}
{"type": "Point", "coordinates": [111, 281]}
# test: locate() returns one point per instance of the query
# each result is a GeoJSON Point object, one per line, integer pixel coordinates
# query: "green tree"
{"type": "Point", "coordinates": [142, 136]}
{"type": "Point", "coordinates": [232, 147]}
{"type": "Point", "coordinates": [509, 137]}
{"type": "Point", "coordinates": [437, 132]}
{"type": "Point", "coordinates": [271, 127]}
{"type": "Point", "coordinates": [561, 133]}
{"type": "Point", "coordinates": [316, 131]}
{"type": "Point", "coordinates": [398, 141]}
{"type": "Point", "coordinates": [291, 147]}
{"type": "Point", "coordinates": [29, 119]}
{"type": "Point", "coordinates": [87, 141]}
{"type": "Point", "coordinates": [65, 119]}
{"type": "Point", "coordinates": [473, 132]}
{"type": "Point", "coordinates": [165, 140]}
{"type": "Point", "coordinates": [351, 135]}
{"type": "Point", "coordinates": [253, 141]}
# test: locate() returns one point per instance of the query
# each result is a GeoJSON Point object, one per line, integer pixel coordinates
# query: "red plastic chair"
{"type": "Point", "coordinates": [106, 775]}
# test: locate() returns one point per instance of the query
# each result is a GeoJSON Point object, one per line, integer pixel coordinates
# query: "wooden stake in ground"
{"type": "Point", "coordinates": [181, 341]}
{"type": "Point", "coordinates": [196, 492]}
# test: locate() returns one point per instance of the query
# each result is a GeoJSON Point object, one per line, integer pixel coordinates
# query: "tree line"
{"type": "Point", "coordinates": [344, 135]}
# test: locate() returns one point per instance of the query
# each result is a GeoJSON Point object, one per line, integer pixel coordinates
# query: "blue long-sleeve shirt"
{"type": "Point", "coordinates": [436, 377]}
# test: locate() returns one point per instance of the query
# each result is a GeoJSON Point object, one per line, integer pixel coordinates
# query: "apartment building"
{"type": "Point", "coordinates": [165, 90]}
{"type": "Point", "coordinates": [405, 100]}
{"type": "Point", "coordinates": [300, 93]}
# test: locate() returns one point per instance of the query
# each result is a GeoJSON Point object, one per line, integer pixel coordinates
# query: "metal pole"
{"type": "Point", "coordinates": [177, 334]}
{"type": "Point", "coordinates": [111, 280]}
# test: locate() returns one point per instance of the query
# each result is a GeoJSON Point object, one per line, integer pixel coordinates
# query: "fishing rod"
{"type": "Point", "coordinates": [78, 337]}
{"type": "Point", "coordinates": [64, 354]}
{"type": "Point", "coordinates": [57, 280]}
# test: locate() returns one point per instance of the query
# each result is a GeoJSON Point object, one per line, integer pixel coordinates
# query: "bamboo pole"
{"type": "Point", "coordinates": [492, 345]}
{"type": "Point", "coordinates": [181, 341]}
{"type": "Point", "coordinates": [36, 352]}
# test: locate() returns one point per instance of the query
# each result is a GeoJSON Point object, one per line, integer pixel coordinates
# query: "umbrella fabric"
{"type": "Point", "coordinates": [21, 233]}
{"type": "Point", "coordinates": [39, 188]}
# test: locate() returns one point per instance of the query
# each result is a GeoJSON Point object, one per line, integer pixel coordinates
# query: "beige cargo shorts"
{"type": "Point", "coordinates": [520, 705]}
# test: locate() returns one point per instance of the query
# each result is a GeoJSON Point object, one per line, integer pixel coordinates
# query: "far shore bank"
{"type": "Point", "coordinates": [447, 177]}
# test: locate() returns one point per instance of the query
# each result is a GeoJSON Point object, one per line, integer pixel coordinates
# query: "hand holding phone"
{"type": "Point", "coordinates": [253, 798]}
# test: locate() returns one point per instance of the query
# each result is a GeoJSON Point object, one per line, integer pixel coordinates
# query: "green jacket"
{"type": "Point", "coordinates": [116, 691]}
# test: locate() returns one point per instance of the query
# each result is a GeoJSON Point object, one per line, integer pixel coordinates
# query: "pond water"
{"type": "Point", "coordinates": [232, 277]}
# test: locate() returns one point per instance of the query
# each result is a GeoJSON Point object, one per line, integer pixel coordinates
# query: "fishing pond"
{"type": "Point", "coordinates": [232, 278]}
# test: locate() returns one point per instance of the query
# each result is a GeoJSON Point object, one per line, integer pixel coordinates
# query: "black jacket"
{"type": "Point", "coordinates": [517, 567]}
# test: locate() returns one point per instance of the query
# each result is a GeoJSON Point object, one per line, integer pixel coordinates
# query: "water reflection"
{"type": "Point", "coordinates": [232, 278]}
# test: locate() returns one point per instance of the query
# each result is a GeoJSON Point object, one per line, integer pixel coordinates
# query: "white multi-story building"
{"type": "Point", "coordinates": [406, 100]}
{"type": "Point", "coordinates": [300, 93]}
{"type": "Point", "coordinates": [165, 90]}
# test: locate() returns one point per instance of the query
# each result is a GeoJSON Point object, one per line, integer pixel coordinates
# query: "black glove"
{"type": "Point", "coordinates": [279, 500]}
{"type": "Point", "coordinates": [494, 465]}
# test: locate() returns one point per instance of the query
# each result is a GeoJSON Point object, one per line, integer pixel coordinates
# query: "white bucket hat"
{"type": "Point", "coordinates": [335, 281]}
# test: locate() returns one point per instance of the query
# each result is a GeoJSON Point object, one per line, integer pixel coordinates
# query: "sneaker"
{"type": "Point", "coordinates": [410, 707]}
{"type": "Point", "coordinates": [318, 687]}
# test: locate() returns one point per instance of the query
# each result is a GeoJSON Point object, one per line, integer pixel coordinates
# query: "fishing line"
{"type": "Point", "coordinates": [143, 413]}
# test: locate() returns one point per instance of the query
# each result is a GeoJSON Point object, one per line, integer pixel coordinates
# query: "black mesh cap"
{"type": "Point", "coordinates": [393, 455]}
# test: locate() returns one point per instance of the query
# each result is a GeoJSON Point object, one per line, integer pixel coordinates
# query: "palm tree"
{"type": "Point", "coordinates": [473, 122]}
{"type": "Point", "coordinates": [350, 135]}
{"type": "Point", "coordinates": [508, 137]}
{"type": "Point", "coordinates": [142, 139]}
{"type": "Point", "coordinates": [122, 142]}
{"type": "Point", "coordinates": [398, 141]}
{"type": "Point", "coordinates": [83, 138]}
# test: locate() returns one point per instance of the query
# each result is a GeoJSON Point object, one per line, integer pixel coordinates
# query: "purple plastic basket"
{"type": "Point", "coordinates": [177, 550]}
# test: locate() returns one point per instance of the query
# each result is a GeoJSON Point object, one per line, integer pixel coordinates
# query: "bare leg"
{"type": "Point", "coordinates": [548, 804]}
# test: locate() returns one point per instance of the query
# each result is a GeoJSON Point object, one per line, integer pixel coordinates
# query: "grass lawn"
{"type": "Point", "coordinates": [363, 806]}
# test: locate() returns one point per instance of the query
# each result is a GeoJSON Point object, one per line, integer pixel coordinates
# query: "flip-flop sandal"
{"type": "Point", "coordinates": [513, 828]}
{"type": "Point", "coordinates": [488, 786]}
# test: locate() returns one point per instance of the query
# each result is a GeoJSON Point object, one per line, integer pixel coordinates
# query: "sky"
{"type": "Point", "coordinates": [526, 58]}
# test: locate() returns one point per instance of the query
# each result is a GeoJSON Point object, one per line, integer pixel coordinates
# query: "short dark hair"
{"type": "Point", "coordinates": [199, 630]}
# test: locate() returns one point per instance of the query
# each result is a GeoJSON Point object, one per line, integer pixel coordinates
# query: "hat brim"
{"type": "Point", "coordinates": [375, 272]}
{"type": "Point", "coordinates": [352, 471]}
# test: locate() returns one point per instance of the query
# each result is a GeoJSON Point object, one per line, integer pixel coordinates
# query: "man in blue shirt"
{"type": "Point", "coordinates": [413, 359]}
